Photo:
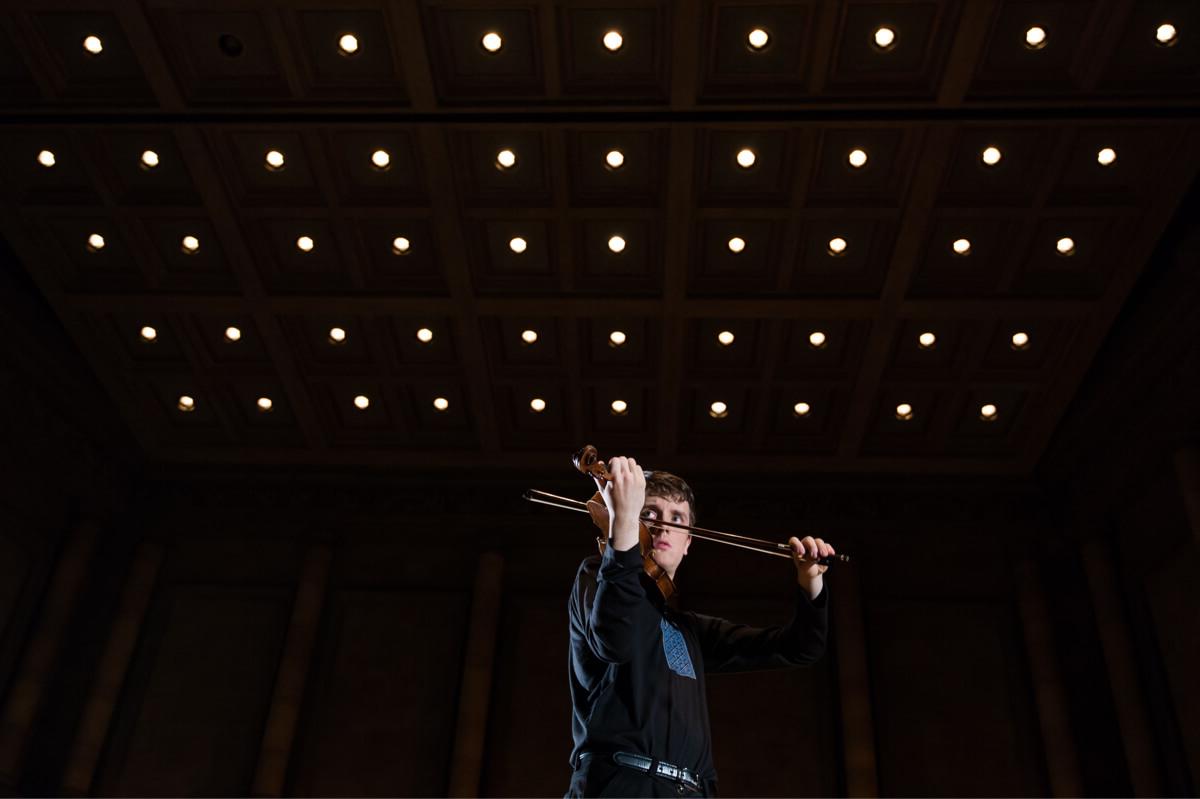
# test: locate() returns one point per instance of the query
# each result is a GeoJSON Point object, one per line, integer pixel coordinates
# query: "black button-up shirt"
{"type": "Point", "coordinates": [637, 665]}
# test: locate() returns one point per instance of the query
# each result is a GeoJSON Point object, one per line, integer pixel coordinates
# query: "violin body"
{"type": "Point", "coordinates": [588, 463]}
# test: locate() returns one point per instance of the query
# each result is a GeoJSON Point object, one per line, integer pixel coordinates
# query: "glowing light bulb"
{"type": "Point", "coordinates": [991, 156]}
{"type": "Point", "coordinates": [362, 402]}
{"type": "Point", "coordinates": [537, 404]}
{"type": "Point", "coordinates": [988, 413]}
{"type": "Point", "coordinates": [274, 160]}
{"type": "Point", "coordinates": [529, 336]}
{"type": "Point", "coordinates": [884, 38]}
{"type": "Point", "coordinates": [381, 159]}
{"type": "Point", "coordinates": [746, 158]}
{"type": "Point", "coordinates": [95, 242]}
{"type": "Point", "coordinates": [1106, 156]}
{"type": "Point", "coordinates": [927, 340]}
{"type": "Point", "coordinates": [1065, 246]}
{"type": "Point", "coordinates": [817, 339]}
{"type": "Point", "coordinates": [46, 158]}
{"type": "Point", "coordinates": [857, 158]}
{"type": "Point", "coordinates": [837, 246]}
{"type": "Point", "coordinates": [613, 41]}
{"type": "Point", "coordinates": [616, 244]}
{"type": "Point", "coordinates": [801, 409]}
{"type": "Point", "coordinates": [616, 338]}
{"type": "Point", "coordinates": [718, 410]}
{"type": "Point", "coordinates": [506, 159]}
{"type": "Point", "coordinates": [518, 244]}
{"type": "Point", "coordinates": [614, 159]}
{"type": "Point", "coordinates": [1020, 340]}
{"type": "Point", "coordinates": [758, 39]}
{"type": "Point", "coordinates": [441, 403]}
{"type": "Point", "coordinates": [1035, 38]}
{"type": "Point", "coordinates": [492, 42]}
{"type": "Point", "coordinates": [186, 404]}
{"type": "Point", "coordinates": [189, 244]}
{"type": "Point", "coordinates": [348, 44]}
{"type": "Point", "coordinates": [401, 245]}
{"type": "Point", "coordinates": [233, 334]}
{"type": "Point", "coordinates": [337, 335]}
{"type": "Point", "coordinates": [424, 335]}
{"type": "Point", "coordinates": [904, 411]}
{"type": "Point", "coordinates": [149, 159]}
{"type": "Point", "coordinates": [148, 333]}
{"type": "Point", "coordinates": [737, 244]}
{"type": "Point", "coordinates": [725, 337]}
{"type": "Point", "coordinates": [93, 45]}
{"type": "Point", "coordinates": [619, 407]}
{"type": "Point", "coordinates": [1166, 34]}
{"type": "Point", "coordinates": [305, 244]}
{"type": "Point", "coordinates": [961, 246]}
{"type": "Point", "coordinates": [265, 404]}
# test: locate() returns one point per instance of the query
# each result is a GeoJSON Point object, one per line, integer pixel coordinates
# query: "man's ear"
{"type": "Point", "coordinates": [687, 543]}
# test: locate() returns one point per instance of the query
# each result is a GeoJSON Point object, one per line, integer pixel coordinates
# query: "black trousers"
{"type": "Point", "coordinates": [599, 775]}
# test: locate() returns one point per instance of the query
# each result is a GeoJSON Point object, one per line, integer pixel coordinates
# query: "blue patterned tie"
{"type": "Point", "coordinates": [675, 648]}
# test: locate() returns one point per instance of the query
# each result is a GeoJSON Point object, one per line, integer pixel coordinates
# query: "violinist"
{"type": "Point", "coordinates": [637, 664]}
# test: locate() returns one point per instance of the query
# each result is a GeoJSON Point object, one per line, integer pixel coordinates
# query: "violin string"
{"type": "Point", "coordinates": [576, 505]}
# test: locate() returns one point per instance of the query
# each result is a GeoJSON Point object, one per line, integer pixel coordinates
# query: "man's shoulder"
{"type": "Point", "coordinates": [588, 567]}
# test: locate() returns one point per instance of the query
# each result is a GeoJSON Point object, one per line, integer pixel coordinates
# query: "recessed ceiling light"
{"type": "Point", "coordinates": [381, 159]}
{"type": "Point", "coordinates": [233, 334]}
{"type": "Point", "coordinates": [1106, 156]}
{"type": "Point", "coordinates": [1065, 246]}
{"type": "Point", "coordinates": [506, 159]}
{"type": "Point", "coordinates": [904, 411]}
{"type": "Point", "coordinates": [718, 410]}
{"type": "Point", "coordinates": [348, 44]}
{"type": "Point", "coordinates": [529, 336]}
{"type": "Point", "coordinates": [1166, 34]}
{"type": "Point", "coordinates": [616, 338]}
{"type": "Point", "coordinates": [1035, 38]}
{"type": "Point", "coordinates": [492, 42]}
{"type": "Point", "coordinates": [885, 38]}
{"type": "Point", "coordinates": [737, 244]}
{"type": "Point", "coordinates": [362, 402]}
{"type": "Point", "coordinates": [305, 244]}
{"type": "Point", "coordinates": [614, 159]}
{"type": "Point", "coordinates": [189, 244]}
{"type": "Point", "coordinates": [746, 158]}
{"type": "Point", "coordinates": [46, 158]}
{"type": "Point", "coordinates": [613, 41]}
{"type": "Point", "coordinates": [148, 333]}
{"type": "Point", "coordinates": [185, 403]}
{"type": "Point", "coordinates": [93, 45]}
{"type": "Point", "coordinates": [424, 335]}
{"type": "Point", "coordinates": [926, 340]}
{"type": "Point", "coordinates": [401, 245]}
{"type": "Point", "coordinates": [264, 404]}
{"type": "Point", "coordinates": [616, 244]}
{"type": "Point", "coordinates": [857, 158]}
{"type": "Point", "coordinates": [725, 337]}
{"type": "Point", "coordinates": [440, 403]}
{"type": "Point", "coordinates": [1020, 340]}
{"type": "Point", "coordinates": [337, 335]}
{"type": "Point", "coordinates": [988, 412]}
{"type": "Point", "coordinates": [518, 244]}
{"type": "Point", "coordinates": [991, 156]}
{"type": "Point", "coordinates": [837, 246]}
{"type": "Point", "coordinates": [961, 246]}
{"type": "Point", "coordinates": [817, 339]}
{"type": "Point", "coordinates": [149, 159]}
{"type": "Point", "coordinates": [537, 405]}
{"type": "Point", "coordinates": [95, 242]}
{"type": "Point", "coordinates": [274, 160]}
{"type": "Point", "coordinates": [801, 409]}
{"type": "Point", "coordinates": [619, 407]}
{"type": "Point", "coordinates": [758, 38]}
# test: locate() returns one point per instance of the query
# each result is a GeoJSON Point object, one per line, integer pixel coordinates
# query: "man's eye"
{"type": "Point", "coordinates": [647, 514]}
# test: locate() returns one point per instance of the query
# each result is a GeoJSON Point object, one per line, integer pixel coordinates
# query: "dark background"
{"type": "Point", "coordinates": [307, 607]}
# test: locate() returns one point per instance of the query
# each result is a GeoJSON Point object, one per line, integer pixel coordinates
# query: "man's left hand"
{"type": "Point", "coordinates": [805, 552]}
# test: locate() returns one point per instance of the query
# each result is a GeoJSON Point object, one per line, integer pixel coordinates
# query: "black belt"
{"type": "Point", "coordinates": [649, 765]}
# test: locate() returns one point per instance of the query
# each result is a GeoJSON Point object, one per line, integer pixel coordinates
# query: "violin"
{"type": "Point", "coordinates": [587, 461]}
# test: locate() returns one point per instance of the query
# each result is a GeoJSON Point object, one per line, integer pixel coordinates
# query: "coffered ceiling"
{"type": "Point", "coordinates": [388, 219]}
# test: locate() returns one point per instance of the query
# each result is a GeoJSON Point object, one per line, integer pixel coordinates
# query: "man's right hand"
{"type": "Point", "coordinates": [625, 496]}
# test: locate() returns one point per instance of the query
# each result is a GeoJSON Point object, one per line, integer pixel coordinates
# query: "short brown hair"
{"type": "Point", "coordinates": [672, 487]}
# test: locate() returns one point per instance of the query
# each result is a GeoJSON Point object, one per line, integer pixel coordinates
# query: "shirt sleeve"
{"type": "Point", "coordinates": [730, 647]}
{"type": "Point", "coordinates": [610, 610]}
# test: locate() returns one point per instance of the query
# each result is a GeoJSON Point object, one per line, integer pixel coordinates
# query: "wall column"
{"type": "Point", "coordinates": [471, 729]}
{"type": "Point", "coordinates": [280, 734]}
{"type": "Point", "coordinates": [1122, 671]}
{"type": "Point", "coordinates": [1061, 759]}
{"type": "Point", "coordinates": [37, 662]}
{"type": "Point", "coordinates": [114, 665]}
{"type": "Point", "coordinates": [858, 733]}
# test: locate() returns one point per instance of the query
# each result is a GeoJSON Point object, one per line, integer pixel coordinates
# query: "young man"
{"type": "Point", "coordinates": [637, 665]}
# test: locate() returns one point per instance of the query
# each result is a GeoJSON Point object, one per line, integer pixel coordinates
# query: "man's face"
{"type": "Point", "coordinates": [670, 543]}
